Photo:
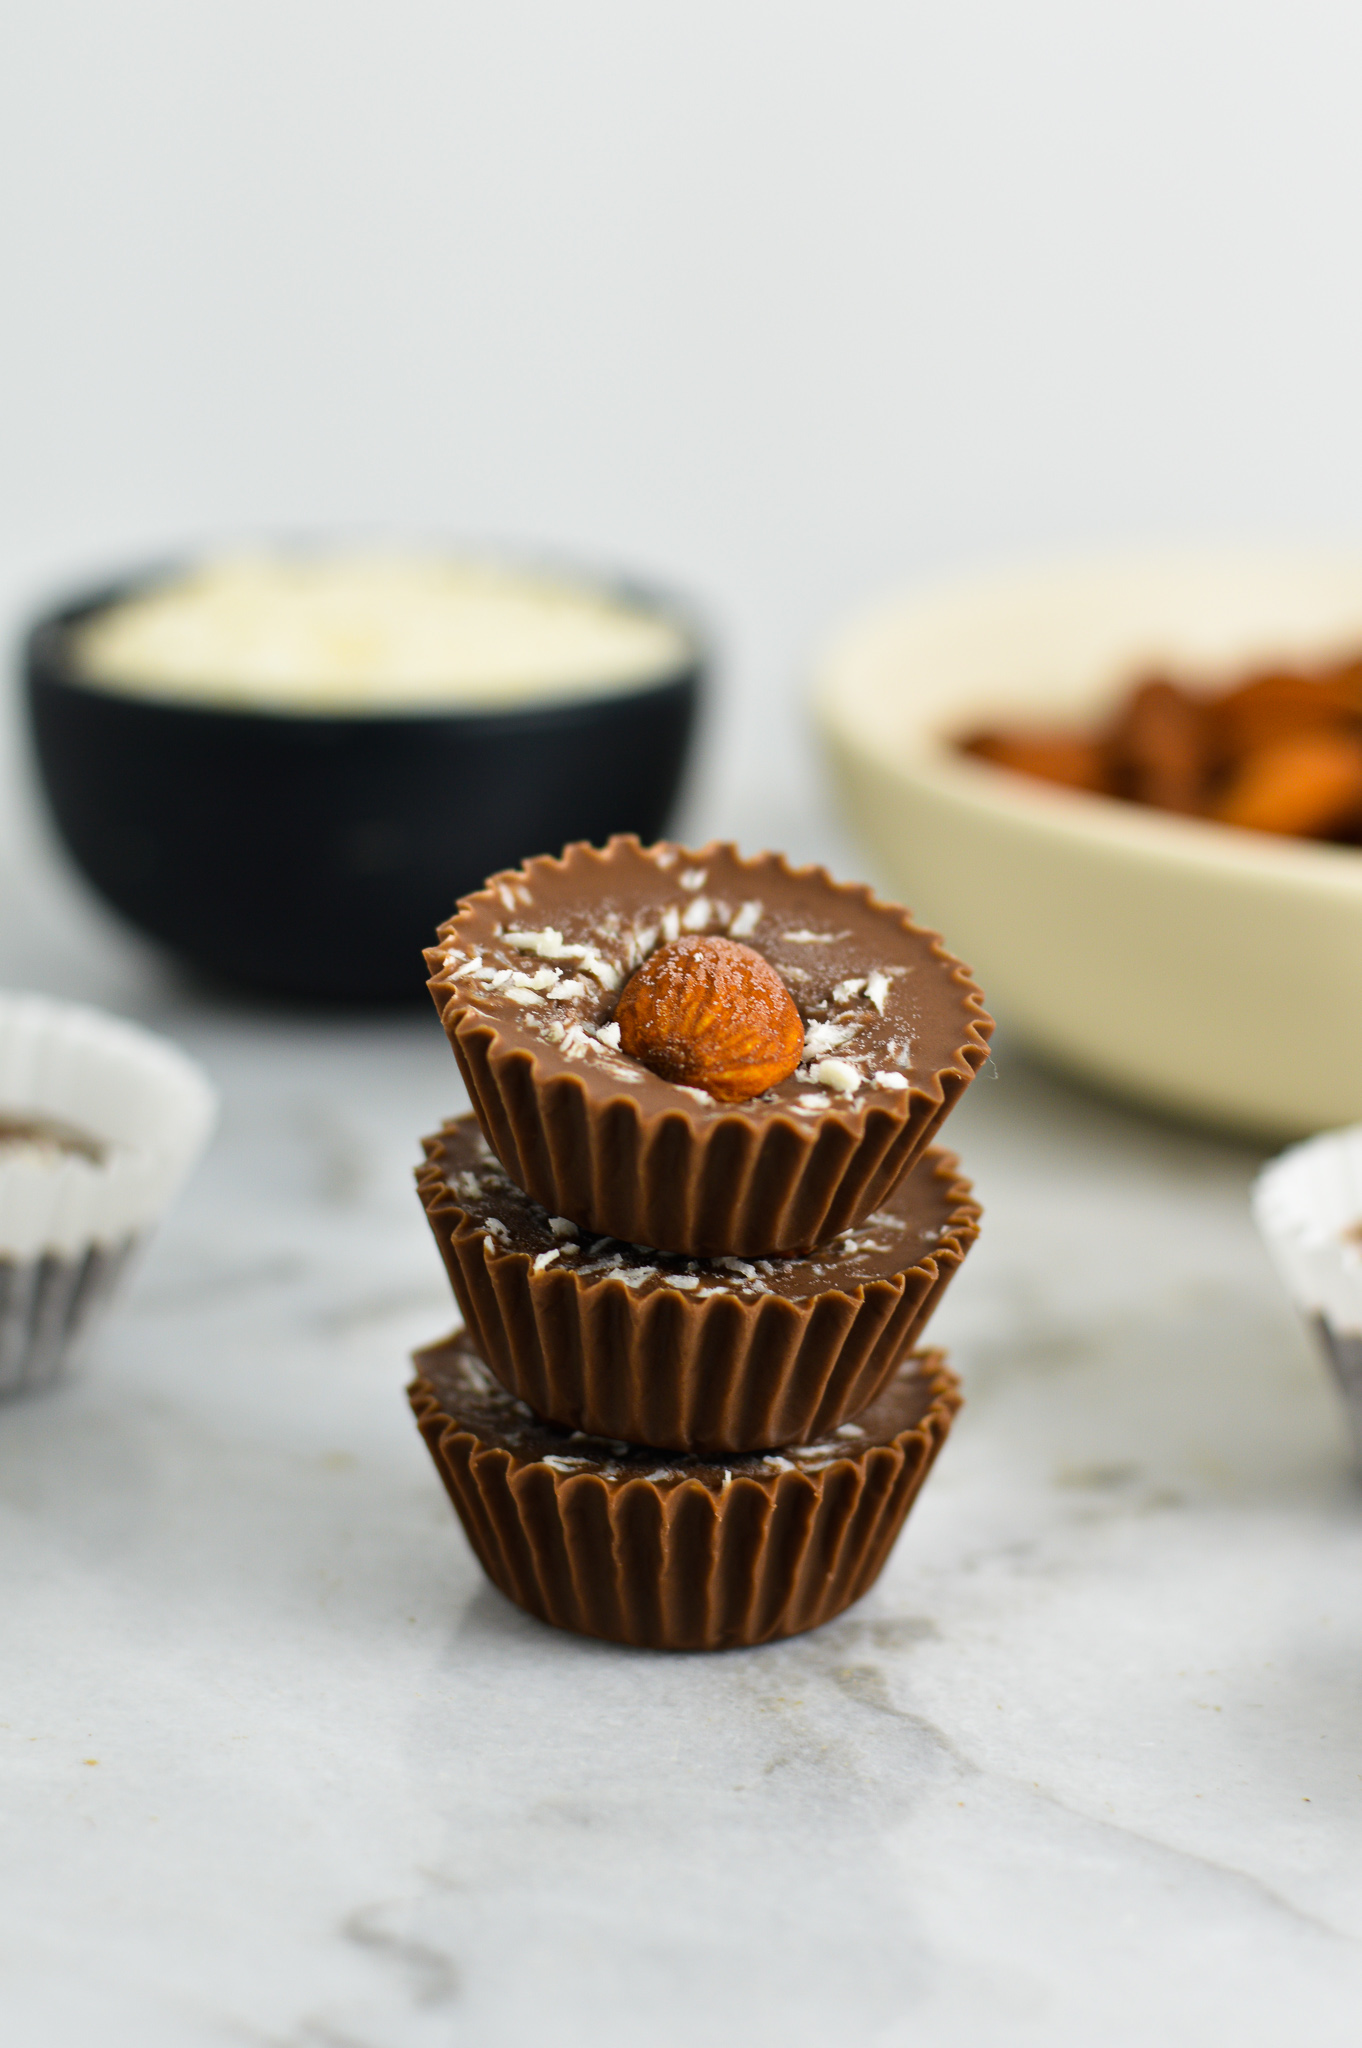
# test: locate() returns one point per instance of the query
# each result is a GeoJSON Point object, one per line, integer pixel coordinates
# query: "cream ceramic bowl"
{"type": "Point", "coordinates": [1205, 970]}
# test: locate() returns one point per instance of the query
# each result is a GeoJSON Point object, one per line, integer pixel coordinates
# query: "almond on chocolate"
{"type": "Point", "coordinates": [710, 1013]}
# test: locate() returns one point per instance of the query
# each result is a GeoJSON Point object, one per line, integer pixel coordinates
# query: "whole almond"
{"type": "Point", "coordinates": [710, 1013]}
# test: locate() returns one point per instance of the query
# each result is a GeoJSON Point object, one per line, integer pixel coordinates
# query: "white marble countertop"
{"type": "Point", "coordinates": [280, 1768]}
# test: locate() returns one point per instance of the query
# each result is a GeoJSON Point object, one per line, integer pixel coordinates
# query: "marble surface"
{"type": "Point", "coordinates": [279, 1768]}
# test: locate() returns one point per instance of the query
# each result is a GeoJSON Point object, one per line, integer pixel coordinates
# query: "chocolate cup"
{"type": "Point", "coordinates": [679, 1553]}
{"type": "Point", "coordinates": [596, 1137]}
{"type": "Point", "coordinates": [733, 1364]}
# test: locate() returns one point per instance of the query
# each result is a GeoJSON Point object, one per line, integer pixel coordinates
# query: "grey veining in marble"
{"type": "Point", "coordinates": [279, 1768]}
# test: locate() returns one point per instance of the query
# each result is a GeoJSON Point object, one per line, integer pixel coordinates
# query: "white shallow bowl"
{"type": "Point", "coordinates": [1205, 970]}
{"type": "Point", "coordinates": [1308, 1206]}
{"type": "Point", "coordinates": [69, 1225]}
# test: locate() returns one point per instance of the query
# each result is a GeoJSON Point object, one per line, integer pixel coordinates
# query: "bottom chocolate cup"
{"type": "Point", "coordinates": [671, 1552]}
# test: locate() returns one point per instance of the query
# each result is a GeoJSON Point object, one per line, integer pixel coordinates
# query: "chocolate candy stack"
{"type": "Point", "coordinates": [686, 1410]}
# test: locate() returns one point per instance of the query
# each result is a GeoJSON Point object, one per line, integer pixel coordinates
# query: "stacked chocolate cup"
{"type": "Point", "coordinates": [687, 1409]}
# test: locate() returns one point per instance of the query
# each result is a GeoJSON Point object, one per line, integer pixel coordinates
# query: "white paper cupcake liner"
{"type": "Point", "coordinates": [68, 1224]}
{"type": "Point", "coordinates": [1308, 1206]}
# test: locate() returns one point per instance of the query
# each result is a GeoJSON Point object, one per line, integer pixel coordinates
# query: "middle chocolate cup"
{"type": "Point", "coordinates": [700, 1355]}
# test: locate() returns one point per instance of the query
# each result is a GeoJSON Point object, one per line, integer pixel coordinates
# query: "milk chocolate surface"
{"type": "Point", "coordinates": [545, 959]}
{"type": "Point", "coordinates": [470, 1396]}
{"type": "Point", "coordinates": [909, 1227]}
{"type": "Point", "coordinates": [526, 979]}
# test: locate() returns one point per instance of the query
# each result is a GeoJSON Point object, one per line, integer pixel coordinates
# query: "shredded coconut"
{"type": "Point", "coordinates": [845, 990]}
{"type": "Point", "coordinates": [876, 989]}
{"type": "Point", "coordinates": [562, 1226]}
{"type": "Point", "coordinates": [609, 1034]}
{"type": "Point", "coordinates": [697, 916]}
{"type": "Point", "coordinates": [839, 1075]}
{"type": "Point", "coordinates": [548, 944]}
{"type": "Point", "coordinates": [545, 1259]}
{"type": "Point", "coordinates": [821, 1038]}
{"type": "Point", "coordinates": [692, 878]}
{"type": "Point", "coordinates": [891, 1080]}
{"type": "Point", "coordinates": [746, 921]}
{"type": "Point", "coordinates": [815, 938]}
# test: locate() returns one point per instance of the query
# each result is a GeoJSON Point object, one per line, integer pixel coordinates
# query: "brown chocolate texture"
{"type": "Point", "coordinates": [527, 977]}
{"type": "Point", "coordinates": [674, 1552]}
{"type": "Point", "coordinates": [723, 1356]}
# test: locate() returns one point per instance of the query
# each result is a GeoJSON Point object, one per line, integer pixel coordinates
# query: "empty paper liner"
{"type": "Point", "coordinates": [527, 976]}
{"type": "Point", "coordinates": [719, 1356]}
{"type": "Point", "coordinates": [677, 1553]}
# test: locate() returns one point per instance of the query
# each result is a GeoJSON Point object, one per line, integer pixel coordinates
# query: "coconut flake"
{"type": "Point", "coordinates": [876, 989]}
{"type": "Point", "coordinates": [609, 1034]}
{"type": "Point", "coordinates": [697, 915]}
{"type": "Point", "coordinates": [891, 1080]}
{"type": "Point", "coordinates": [815, 938]}
{"type": "Point", "coordinates": [821, 1038]}
{"type": "Point", "coordinates": [747, 919]}
{"type": "Point", "coordinates": [548, 944]}
{"type": "Point", "coordinates": [608, 976]}
{"type": "Point", "coordinates": [845, 990]}
{"type": "Point", "coordinates": [692, 878]}
{"type": "Point", "coordinates": [562, 1226]}
{"type": "Point", "coordinates": [545, 1259]}
{"type": "Point", "coordinates": [839, 1075]}
{"type": "Point", "coordinates": [671, 923]}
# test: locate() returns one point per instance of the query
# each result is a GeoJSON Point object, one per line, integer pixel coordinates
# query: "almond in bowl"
{"type": "Point", "coordinates": [1179, 960]}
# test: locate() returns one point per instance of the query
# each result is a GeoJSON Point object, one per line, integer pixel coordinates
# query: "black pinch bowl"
{"type": "Point", "coordinates": [314, 855]}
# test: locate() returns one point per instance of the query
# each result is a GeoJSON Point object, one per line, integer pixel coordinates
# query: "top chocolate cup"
{"type": "Point", "coordinates": [527, 976]}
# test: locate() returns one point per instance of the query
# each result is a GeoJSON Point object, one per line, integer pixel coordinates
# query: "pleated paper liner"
{"type": "Point", "coordinates": [100, 1121]}
{"type": "Point", "coordinates": [527, 975]}
{"type": "Point", "coordinates": [47, 1305]}
{"type": "Point", "coordinates": [703, 1356]}
{"type": "Point", "coordinates": [673, 1553]}
{"type": "Point", "coordinates": [1308, 1206]}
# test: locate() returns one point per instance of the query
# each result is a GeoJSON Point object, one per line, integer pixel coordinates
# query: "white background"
{"type": "Point", "coordinates": [783, 303]}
